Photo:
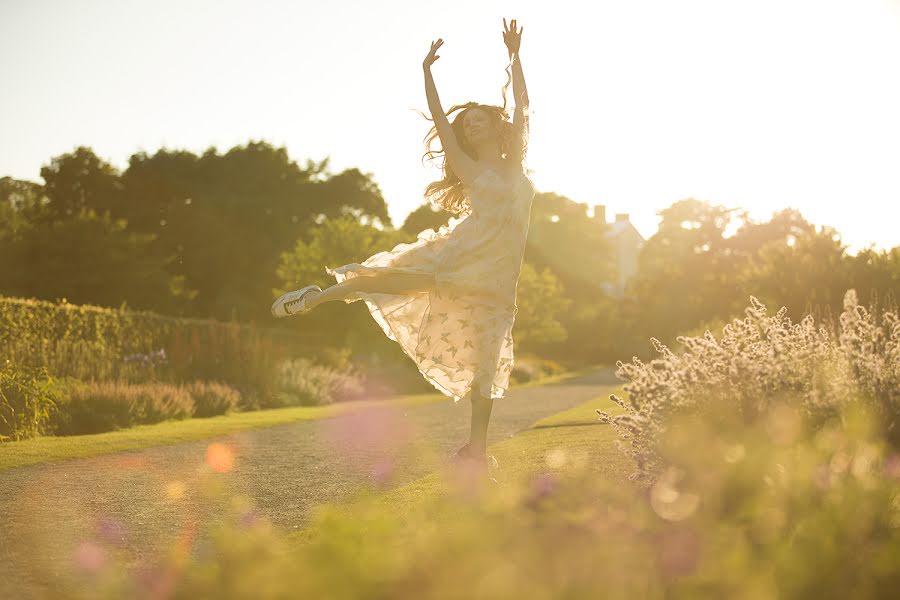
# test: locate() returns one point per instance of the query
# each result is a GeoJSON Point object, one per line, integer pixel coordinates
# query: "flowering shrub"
{"type": "Point", "coordinates": [760, 361]}
{"type": "Point", "coordinates": [872, 353]}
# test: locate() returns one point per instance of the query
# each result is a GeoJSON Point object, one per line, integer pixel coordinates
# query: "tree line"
{"type": "Point", "coordinates": [217, 235]}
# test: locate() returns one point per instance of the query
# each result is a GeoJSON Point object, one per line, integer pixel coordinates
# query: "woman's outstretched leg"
{"type": "Point", "coordinates": [379, 283]}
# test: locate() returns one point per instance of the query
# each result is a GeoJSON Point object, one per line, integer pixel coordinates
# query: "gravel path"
{"type": "Point", "coordinates": [55, 517]}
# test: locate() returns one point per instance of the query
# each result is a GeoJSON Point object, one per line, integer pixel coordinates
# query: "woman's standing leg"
{"type": "Point", "coordinates": [481, 416]}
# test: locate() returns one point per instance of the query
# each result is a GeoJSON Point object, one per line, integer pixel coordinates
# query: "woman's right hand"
{"type": "Point", "coordinates": [429, 60]}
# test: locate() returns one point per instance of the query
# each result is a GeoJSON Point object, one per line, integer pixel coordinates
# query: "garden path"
{"type": "Point", "coordinates": [57, 516]}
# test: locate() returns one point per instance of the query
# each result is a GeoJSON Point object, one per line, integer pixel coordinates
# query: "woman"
{"type": "Point", "coordinates": [449, 298]}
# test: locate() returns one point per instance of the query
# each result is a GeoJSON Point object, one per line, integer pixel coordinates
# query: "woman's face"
{"type": "Point", "coordinates": [477, 126]}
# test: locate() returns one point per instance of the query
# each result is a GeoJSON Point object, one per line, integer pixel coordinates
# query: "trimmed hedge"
{"type": "Point", "coordinates": [104, 344]}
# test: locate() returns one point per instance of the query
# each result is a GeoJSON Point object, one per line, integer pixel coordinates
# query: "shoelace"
{"type": "Point", "coordinates": [289, 305]}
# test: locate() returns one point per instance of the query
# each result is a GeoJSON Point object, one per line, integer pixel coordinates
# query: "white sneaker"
{"type": "Point", "coordinates": [294, 302]}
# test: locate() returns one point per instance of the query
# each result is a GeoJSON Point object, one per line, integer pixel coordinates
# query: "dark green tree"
{"type": "Point", "coordinates": [427, 216]}
{"type": "Point", "coordinates": [685, 271]}
{"type": "Point", "coordinates": [88, 258]}
{"type": "Point", "coordinates": [21, 202]}
{"type": "Point", "coordinates": [228, 217]}
{"type": "Point", "coordinates": [80, 179]}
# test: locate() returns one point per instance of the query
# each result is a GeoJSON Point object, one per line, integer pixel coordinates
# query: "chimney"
{"type": "Point", "coordinates": [621, 217]}
{"type": "Point", "coordinates": [600, 213]}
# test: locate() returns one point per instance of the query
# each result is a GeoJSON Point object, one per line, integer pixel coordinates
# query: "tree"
{"type": "Point", "coordinates": [80, 179]}
{"type": "Point", "coordinates": [685, 270]}
{"type": "Point", "coordinates": [809, 275]}
{"type": "Point", "coordinates": [575, 247]}
{"type": "Point", "coordinates": [876, 274]}
{"type": "Point", "coordinates": [334, 243]}
{"type": "Point", "coordinates": [88, 259]}
{"type": "Point", "coordinates": [228, 217]}
{"type": "Point", "coordinates": [20, 204]}
{"type": "Point", "coordinates": [540, 301]}
{"type": "Point", "coordinates": [427, 216]}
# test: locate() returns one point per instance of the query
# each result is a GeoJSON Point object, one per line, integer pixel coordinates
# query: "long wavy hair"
{"type": "Point", "coordinates": [448, 193]}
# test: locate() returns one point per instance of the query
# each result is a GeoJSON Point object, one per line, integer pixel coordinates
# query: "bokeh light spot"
{"type": "Point", "coordinates": [90, 557]}
{"type": "Point", "coordinates": [175, 489]}
{"type": "Point", "coordinates": [219, 457]}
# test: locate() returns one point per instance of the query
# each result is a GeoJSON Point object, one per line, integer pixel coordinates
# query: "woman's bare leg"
{"type": "Point", "coordinates": [380, 283]}
{"type": "Point", "coordinates": [481, 416]}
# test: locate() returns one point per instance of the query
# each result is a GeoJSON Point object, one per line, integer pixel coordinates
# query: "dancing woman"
{"type": "Point", "coordinates": [449, 298]}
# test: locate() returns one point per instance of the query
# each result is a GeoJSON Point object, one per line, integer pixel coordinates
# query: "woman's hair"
{"type": "Point", "coordinates": [448, 193]}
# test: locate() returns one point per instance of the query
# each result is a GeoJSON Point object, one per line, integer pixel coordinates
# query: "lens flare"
{"type": "Point", "coordinates": [90, 557]}
{"type": "Point", "coordinates": [219, 457]}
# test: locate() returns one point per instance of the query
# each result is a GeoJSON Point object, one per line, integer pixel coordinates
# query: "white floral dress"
{"type": "Point", "coordinates": [459, 332]}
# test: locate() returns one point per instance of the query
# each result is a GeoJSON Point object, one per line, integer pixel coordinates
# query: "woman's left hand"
{"type": "Point", "coordinates": [511, 38]}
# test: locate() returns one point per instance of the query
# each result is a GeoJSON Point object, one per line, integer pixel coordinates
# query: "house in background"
{"type": "Point", "coordinates": [627, 243]}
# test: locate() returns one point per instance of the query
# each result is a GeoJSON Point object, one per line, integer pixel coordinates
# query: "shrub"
{"type": "Point", "coordinates": [528, 367]}
{"type": "Point", "coordinates": [300, 382]}
{"type": "Point", "coordinates": [870, 344]}
{"type": "Point", "coordinates": [96, 407]}
{"type": "Point", "coordinates": [27, 401]}
{"type": "Point", "coordinates": [212, 398]}
{"type": "Point", "coordinates": [760, 360]}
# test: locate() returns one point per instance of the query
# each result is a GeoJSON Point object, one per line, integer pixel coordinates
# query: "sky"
{"type": "Point", "coordinates": [635, 104]}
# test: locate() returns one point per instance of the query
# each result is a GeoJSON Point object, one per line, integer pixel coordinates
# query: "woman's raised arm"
{"type": "Point", "coordinates": [513, 40]}
{"type": "Point", "coordinates": [464, 167]}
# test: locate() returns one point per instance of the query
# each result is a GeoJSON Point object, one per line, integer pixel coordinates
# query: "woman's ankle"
{"type": "Point", "coordinates": [476, 449]}
{"type": "Point", "coordinates": [313, 299]}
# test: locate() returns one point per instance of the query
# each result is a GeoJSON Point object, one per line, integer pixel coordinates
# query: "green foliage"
{"type": "Point", "coordinates": [809, 274]}
{"type": "Point", "coordinates": [692, 273]}
{"type": "Point", "coordinates": [574, 250]}
{"type": "Point", "coordinates": [530, 368]}
{"type": "Point", "coordinates": [81, 181]}
{"type": "Point", "coordinates": [21, 202]}
{"type": "Point", "coordinates": [212, 398]}
{"type": "Point", "coordinates": [574, 246]}
{"type": "Point", "coordinates": [541, 302]}
{"type": "Point", "coordinates": [89, 259]}
{"type": "Point", "coordinates": [427, 216]}
{"type": "Point", "coordinates": [27, 401]}
{"type": "Point", "coordinates": [333, 243]}
{"type": "Point", "coordinates": [89, 342]}
{"type": "Point", "coordinates": [302, 383]}
{"type": "Point", "coordinates": [186, 214]}
{"type": "Point", "coordinates": [685, 271]}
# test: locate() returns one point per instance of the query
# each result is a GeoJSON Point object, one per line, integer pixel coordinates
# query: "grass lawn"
{"type": "Point", "coordinates": [47, 449]}
{"type": "Point", "coordinates": [573, 440]}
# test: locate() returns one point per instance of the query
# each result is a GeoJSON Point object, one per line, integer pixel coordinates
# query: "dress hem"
{"type": "Point", "coordinates": [340, 274]}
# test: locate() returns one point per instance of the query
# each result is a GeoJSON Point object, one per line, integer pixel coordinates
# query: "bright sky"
{"type": "Point", "coordinates": [762, 104]}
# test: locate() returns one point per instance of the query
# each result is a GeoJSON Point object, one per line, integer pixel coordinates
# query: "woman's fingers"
{"type": "Point", "coordinates": [511, 28]}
